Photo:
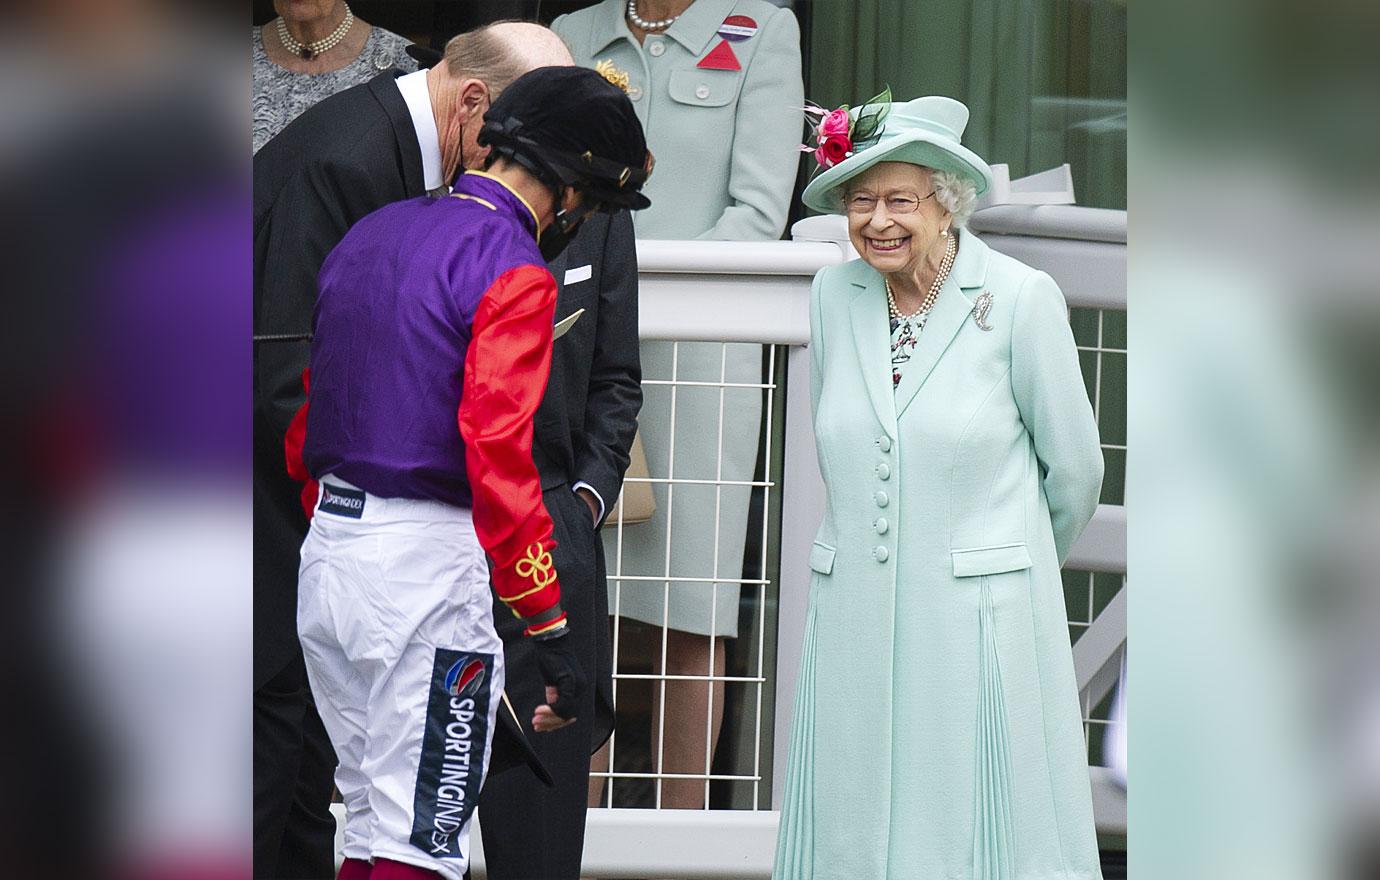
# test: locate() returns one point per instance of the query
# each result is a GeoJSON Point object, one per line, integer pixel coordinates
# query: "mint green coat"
{"type": "Point", "coordinates": [726, 147]}
{"type": "Point", "coordinates": [937, 731]}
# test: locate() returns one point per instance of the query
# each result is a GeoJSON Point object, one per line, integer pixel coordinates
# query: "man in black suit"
{"type": "Point", "coordinates": [582, 432]}
{"type": "Point", "coordinates": [398, 137]}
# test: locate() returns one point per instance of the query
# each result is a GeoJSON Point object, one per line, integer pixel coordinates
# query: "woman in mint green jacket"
{"type": "Point", "coordinates": [718, 90]}
{"type": "Point", "coordinates": [937, 731]}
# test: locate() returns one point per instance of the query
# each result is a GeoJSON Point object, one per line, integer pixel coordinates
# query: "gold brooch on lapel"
{"type": "Point", "coordinates": [618, 77]}
{"type": "Point", "coordinates": [981, 308]}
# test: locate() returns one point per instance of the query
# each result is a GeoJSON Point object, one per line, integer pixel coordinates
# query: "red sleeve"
{"type": "Point", "coordinates": [506, 370]}
{"type": "Point", "coordinates": [293, 441]}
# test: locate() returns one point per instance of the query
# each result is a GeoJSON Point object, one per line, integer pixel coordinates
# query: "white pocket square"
{"type": "Point", "coordinates": [579, 273]}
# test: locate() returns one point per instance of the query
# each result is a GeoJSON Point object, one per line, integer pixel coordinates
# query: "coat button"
{"type": "Point", "coordinates": [657, 49]}
{"type": "Point", "coordinates": [881, 499]}
{"type": "Point", "coordinates": [883, 472]}
{"type": "Point", "coordinates": [634, 93]}
{"type": "Point", "coordinates": [880, 553]}
{"type": "Point", "coordinates": [701, 91]}
{"type": "Point", "coordinates": [884, 443]}
{"type": "Point", "coordinates": [881, 525]}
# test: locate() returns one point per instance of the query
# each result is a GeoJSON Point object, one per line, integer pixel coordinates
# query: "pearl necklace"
{"type": "Point", "coordinates": [649, 26]}
{"type": "Point", "coordinates": [309, 51]}
{"type": "Point", "coordinates": [928, 303]}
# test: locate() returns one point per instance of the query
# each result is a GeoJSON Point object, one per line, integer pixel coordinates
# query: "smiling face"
{"type": "Point", "coordinates": [894, 242]}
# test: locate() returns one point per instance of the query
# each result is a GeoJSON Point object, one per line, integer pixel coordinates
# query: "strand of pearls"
{"type": "Point", "coordinates": [309, 51]}
{"type": "Point", "coordinates": [649, 26]}
{"type": "Point", "coordinates": [950, 250]}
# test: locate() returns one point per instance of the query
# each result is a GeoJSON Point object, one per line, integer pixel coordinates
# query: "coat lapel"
{"type": "Point", "coordinates": [872, 340]}
{"type": "Point", "coordinates": [550, 424]}
{"type": "Point", "coordinates": [557, 269]}
{"type": "Point", "coordinates": [951, 311]}
{"type": "Point", "coordinates": [699, 24]}
{"type": "Point", "coordinates": [386, 92]}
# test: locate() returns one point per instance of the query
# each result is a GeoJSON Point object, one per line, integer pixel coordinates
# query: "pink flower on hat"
{"type": "Point", "coordinates": [837, 130]}
{"type": "Point", "coordinates": [836, 122]}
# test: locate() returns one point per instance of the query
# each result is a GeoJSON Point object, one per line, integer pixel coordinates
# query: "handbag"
{"type": "Point", "coordinates": [635, 503]}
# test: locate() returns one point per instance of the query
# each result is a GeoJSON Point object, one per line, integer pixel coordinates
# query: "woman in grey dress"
{"type": "Point", "coordinates": [314, 49]}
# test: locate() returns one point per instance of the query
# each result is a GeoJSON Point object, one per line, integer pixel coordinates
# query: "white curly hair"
{"type": "Point", "coordinates": [955, 193]}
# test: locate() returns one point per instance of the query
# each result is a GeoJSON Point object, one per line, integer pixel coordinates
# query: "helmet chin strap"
{"type": "Point", "coordinates": [556, 237]}
{"type": "Point", "coordinates": [569, 220]}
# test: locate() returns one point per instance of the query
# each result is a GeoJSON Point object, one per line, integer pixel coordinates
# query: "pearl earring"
{"type": "Point", "coordinates": [943, 233]}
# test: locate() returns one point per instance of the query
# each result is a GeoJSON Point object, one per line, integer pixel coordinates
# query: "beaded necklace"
{"type": "Point", "coordinates": [644, 24]}
{"type": "Point", "coordinates": [927, 303]}
{"type": "Point", "coordinates": [308, 51]}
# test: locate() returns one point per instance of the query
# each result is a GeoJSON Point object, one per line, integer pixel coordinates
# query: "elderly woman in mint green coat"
{"type": "Point", "coordinates": [719, 95]}
{"type": "Point", "coordinates": [937, 731]}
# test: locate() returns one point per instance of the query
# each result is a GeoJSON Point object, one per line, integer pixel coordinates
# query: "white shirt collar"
{"type": "Point", "coordinates": [418, 100]}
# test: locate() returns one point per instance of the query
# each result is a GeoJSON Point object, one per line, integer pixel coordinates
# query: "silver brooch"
{"type": "Point", "coordinates": [981, 308]}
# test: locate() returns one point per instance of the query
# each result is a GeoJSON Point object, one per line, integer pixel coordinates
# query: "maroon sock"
{"type": "Point", "coordinates": [387, 869]}
{"type": "Point", "coordinates": [354, 869]}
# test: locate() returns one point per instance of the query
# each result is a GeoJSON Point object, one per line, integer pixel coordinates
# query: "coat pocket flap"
{"type": "Point", "coordinates": [703, 88]}
{"type": "Point", "coordinates": [990, 560]}
{"type": "Point", "coordinates": [822, 558]}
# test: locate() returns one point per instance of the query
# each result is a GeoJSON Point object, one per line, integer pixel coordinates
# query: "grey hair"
{"type": "Point", "coordinates": [955, 193]}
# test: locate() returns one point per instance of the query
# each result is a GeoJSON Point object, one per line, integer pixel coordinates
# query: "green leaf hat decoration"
{"type": "Point", "coordinates": [871, 115]}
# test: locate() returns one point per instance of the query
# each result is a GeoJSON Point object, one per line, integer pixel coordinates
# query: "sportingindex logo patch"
{"type": "Point", "coordinates": [341, 501]}
{"type": "Point", "coordinates": [454, 744]}
{"type": "Point", "coordinates": [465, 678]}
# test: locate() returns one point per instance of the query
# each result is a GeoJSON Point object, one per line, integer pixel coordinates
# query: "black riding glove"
{"type": "Point", "coordinates": [561, 670]}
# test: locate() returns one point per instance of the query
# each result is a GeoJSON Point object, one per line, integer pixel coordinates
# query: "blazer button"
{"type": "Point", "coordinates": [881, 525]}
{"type": "Point", "coordinates": [881, 499]}
{"type": "Point", "coordinates": [702, 91]}
{"type": "Point", "coordinates": [883, 472]}
{"type": "Point", "coordinates": [656, 49]}
{"type": "Point", "coordinates": [634, 92]}
{"type": "Point", "coordinates": [884, 443]}
{"type": "Point", "coordinates": [880, 553]}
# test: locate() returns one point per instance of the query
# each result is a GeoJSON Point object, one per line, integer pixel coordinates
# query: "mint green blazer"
{"type": "Point", "coordinates": [937, 730]}
{"type": "Point", "coordinates": [725, 141]}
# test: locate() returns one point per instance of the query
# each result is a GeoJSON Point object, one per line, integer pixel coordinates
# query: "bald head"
{"type": "Point", "coordinates": [535, 45]}
{"type": "Point", "coordinates": [499, 53]}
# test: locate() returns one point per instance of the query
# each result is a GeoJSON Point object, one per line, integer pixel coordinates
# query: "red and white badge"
{"type": "Point", "coordinates": [737, 27]}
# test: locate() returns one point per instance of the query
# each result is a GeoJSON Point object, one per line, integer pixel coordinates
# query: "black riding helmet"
{"type": "Point", "coordinates": [571, 127]}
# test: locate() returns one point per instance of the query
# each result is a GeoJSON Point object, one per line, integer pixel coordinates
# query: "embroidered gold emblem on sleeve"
{"type": "Point", "coordinates": [537, 565]}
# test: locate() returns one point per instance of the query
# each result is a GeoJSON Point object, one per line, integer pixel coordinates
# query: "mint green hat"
{"type": "Point", "coordinates": [922, 131]}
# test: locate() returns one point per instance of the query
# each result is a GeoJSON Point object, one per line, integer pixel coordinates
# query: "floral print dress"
{"type": "Point", "coordinates": [905, 333]}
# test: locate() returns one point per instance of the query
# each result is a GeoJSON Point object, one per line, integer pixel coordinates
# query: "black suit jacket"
{"type": "Point", "coordinates": [584, 429]}
{"type": "Point", "coordinates": [345, 157]}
